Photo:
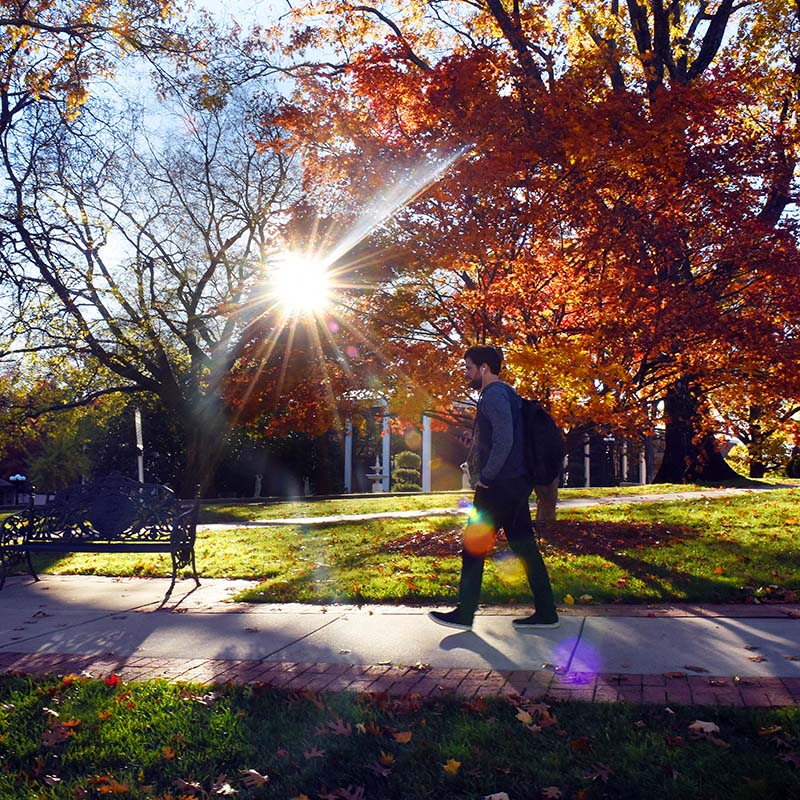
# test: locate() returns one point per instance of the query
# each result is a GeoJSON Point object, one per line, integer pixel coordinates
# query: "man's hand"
{"type": "Point", "coordinates": [481, 485]}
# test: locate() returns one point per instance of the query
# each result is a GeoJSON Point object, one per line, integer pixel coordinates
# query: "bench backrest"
{"type": "Point", "coordinates": [114, 507]}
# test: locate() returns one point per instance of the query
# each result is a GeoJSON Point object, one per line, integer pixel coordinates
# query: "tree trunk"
{"type": "Point", "coordinates": [757, 467]}
{"type": "Point", "coordinates": [205, 427]}
{"type": "Point", "coordinates": [690, 455]}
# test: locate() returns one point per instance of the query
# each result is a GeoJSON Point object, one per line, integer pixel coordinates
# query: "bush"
{"type": "Point", "coordinates": [407, 460]}
{"type": "Point", "coordinates": [772, 453]}
{"type": "Point", "coordinates": [405, 476]}
{"type": "Point", "coordinates": [406, 487]}
{"type": "Point", "coordinates": [793, 467]}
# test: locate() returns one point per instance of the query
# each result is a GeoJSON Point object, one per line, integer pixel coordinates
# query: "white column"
{"type": "Point", "coordinates": [386, 436]}
{"type": "Point", "coordinates": [426, 454]}
{"type": "Point", "coordinates": [348, 457]}
{"type": "Point", "coordinates": [625, 461]}
{"type": "Point", "coordinates": [587, 463]}
{"type": "Point", "coordinates": [642, 467]}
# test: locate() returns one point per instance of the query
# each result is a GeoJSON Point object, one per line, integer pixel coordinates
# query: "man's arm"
{"type": "Point", "coordinates": [496, 406]}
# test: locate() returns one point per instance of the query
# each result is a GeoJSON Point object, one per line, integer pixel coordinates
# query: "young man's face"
{"type": "Point", "coordinates": [472, 372]}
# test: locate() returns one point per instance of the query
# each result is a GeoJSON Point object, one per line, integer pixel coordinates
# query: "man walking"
{"type": "Point", "coordinates": [501, 498]}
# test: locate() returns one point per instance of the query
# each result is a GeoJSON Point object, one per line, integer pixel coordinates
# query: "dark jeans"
{"type": "Point", "coordinates": [505, 506]}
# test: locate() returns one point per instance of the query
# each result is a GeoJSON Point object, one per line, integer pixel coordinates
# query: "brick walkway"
{"type": "Point", "coordinates": [675, 688]}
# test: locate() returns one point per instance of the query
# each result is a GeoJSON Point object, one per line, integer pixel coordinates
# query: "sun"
{"type": "Point", "coordinates": [299, 285]}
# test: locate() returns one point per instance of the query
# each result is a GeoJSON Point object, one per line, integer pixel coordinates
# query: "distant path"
{"type": "Point", "coordinates": [577, 502]}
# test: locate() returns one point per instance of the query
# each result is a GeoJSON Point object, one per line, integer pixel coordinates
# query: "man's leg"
{"type": "Point", "coordinates": [478, 539]}
{"type": "Point", "coordinates": [546, 499]}
{"type": "Point", "coordinates": [521, 539]}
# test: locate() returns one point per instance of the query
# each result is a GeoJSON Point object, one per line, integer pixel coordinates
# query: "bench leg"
{"type": "Point", "coordinates": [174, 577]}
{"type": "Point", "coordinates": [194, 571]}
{"type": "Point", "coordinates": [4, 568]}
{"type": "Point", "coordinates": [30, 566]}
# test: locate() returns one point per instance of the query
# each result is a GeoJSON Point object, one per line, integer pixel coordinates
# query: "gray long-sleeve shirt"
{"type": "Point", "coordinates": [499, 422]}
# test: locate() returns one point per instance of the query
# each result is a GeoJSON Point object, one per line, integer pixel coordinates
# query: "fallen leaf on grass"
{"type": "Point", "coordinates": [402, 737]}
{"type": "Point", "coordinates": [792, 658]}
{"type": "Point", "coordinates": [698, 726]}
{"type": "Point", "coordinates": [496, 796]}
{"type": "Point", "coordinates": [551, 793]}
{"type": "Point", "coordinates": [378, 769]}
{"type": "Point", "coordinates": [107, 784]}
{"type": "Point", "coordinates": [387, 759]}
{"type": "Point", "coordinates": [222, 787]}
{"type": "Point", "coordinates": [57, 735]}
{"type": "Point", "coordinates": [52, 780]}
{"type": "Point", "coordinates": [340, 728]}
{"type": "Point", "coordinates": [113, 680]}
{"type": "Point", "coordinates": [451, 767]}
{"type": "Point", "coordinates": [252, 778]}
{"type": "Point", "coordinates": [769, 731]}
{"type": "Point", "coordinates": [524, 717]}
{"type": "Point", "coordinates": [369, 728]}
{"type": "Point", "coordinates": [313, 753]}
{"type": "Point", "coordinates": [168, 753]}
{"type": "Point", "coordinates": [580, 745]}
{"type": "Point", "coordinates": [674, 741]}
{"type": "Point", "coordinates": [189, 788]}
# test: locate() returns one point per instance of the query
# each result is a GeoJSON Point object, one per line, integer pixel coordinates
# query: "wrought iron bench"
{"type": "Point", "coordinates": [111, 515]}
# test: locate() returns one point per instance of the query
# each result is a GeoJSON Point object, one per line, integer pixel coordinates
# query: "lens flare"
{"type": "Point", "coordinates": [479, 538]}
{"type": "Point", "coordinates": [300, 285]}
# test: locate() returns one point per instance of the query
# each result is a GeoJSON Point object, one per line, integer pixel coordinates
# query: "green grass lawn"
{"type": "Point", "coordinates": [62, 739]}
{"type": "Point", "coordinates": [252, 511]}
{"type": "Point", "coordinates": [705, 550]}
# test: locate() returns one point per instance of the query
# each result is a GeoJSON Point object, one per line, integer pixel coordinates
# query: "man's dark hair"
{"type": "Point", "coordinates": [482, 354]}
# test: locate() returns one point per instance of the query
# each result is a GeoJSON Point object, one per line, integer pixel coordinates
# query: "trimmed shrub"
{"type": "Point", "coordinates": [406, 472]}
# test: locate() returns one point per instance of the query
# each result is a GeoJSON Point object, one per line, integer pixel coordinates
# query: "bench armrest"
{"type": "Point", "coordinates": [14, 529]}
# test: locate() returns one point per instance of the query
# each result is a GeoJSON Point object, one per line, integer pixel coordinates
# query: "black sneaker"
{"type": "Point", "coordinates": [452, 619]}
{"type": "Point", "coordinates": [535, 622]}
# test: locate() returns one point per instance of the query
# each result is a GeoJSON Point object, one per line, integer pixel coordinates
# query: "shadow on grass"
{"type": "Point", "coordinates": [575, 537]}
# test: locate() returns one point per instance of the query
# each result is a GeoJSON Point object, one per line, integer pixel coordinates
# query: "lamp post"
{"type": "Point", "coordinates": [17, 481]}
{"type": "Point", "coordinates": [137, 421]}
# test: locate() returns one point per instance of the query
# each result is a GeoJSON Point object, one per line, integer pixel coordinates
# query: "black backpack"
{"type": "Point", "coordinates": [544, 443]}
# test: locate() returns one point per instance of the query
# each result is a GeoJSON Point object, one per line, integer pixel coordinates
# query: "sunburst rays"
{"type": "Point", "coordinates": [308, 286]}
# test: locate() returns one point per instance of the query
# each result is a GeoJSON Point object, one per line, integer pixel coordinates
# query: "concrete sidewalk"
{"type": "Point", "coordinates": [739, 655]}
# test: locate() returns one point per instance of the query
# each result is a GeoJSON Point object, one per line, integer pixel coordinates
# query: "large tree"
{"type": "Point", "coordinates": [620, 203]}
{"type": "Point", "coordinates": [138, 247]}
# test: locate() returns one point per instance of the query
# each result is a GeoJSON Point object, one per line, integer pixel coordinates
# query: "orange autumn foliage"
{"type": "Point", "coordinates": [616, 218]}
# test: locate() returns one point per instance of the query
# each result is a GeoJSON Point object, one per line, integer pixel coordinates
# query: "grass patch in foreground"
{"type": "Point", "coordinates": [725, 549]}
{"type": "Point", "coordinates": [76, 738]}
